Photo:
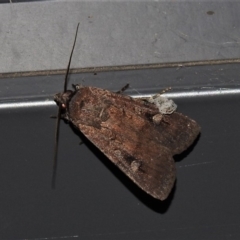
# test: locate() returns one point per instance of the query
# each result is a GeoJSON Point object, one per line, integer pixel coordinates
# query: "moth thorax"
{"type": "Point", "coordinates": [63, 98]}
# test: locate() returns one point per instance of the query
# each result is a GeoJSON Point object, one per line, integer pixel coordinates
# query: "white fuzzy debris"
{"type": "Point", "coordinates": [164, 105]}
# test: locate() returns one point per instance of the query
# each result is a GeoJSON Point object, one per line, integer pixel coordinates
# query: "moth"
{"type": "Point", "coordinates": [135, 134]}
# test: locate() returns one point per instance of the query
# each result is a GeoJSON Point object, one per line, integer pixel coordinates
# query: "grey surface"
{"type": "Point", "coordinates": [39, 35]}
{"type": "Point", "coordinates": [93, 199]}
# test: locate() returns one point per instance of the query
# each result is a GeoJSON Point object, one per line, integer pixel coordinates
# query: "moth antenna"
{"type": "Point", "coordinates": [59, 116]}
{"type": "Point", "coordinates": [70, 59]}
{"type": "Point", "coordinates": [56, 147]}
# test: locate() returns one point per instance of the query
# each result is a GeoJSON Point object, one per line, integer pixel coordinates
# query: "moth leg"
{"type": "Point", "coordinates": [55, 117]}
{"type": "Point", "coordinates": [160, 93]}
{"type": "Point", "coordinates": [165, 90]}
{"type": "Point", "coordinates": [63, 116]}
{"type": "Point", "coordinates": [123, 89]}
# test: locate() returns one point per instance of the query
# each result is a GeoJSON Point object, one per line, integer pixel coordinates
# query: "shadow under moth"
{"type": "Point", "coordinates": [140, 136]}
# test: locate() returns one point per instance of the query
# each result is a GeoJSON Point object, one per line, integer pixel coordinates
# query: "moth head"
{"type": "Point", "coordinates": [62, 99]}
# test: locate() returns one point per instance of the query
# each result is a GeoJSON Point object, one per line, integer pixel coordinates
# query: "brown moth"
{"type": "Point", "coordinates": [133, 133]}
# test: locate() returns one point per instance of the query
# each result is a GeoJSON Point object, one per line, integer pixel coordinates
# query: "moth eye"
{"type": "Point", "coordinates": [63, 105]}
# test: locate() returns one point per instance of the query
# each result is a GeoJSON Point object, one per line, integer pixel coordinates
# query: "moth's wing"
{"type": "Point", "coordinates": [147, 163]}
{"type": "Point", "coordinates": [113, 123]}
{"type": "Point", "coordinates": [177, 132]}
{"type": "Point", "coordinates": [124, 130]}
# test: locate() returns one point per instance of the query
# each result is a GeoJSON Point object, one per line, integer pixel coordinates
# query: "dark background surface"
{"type": "Point", "coordinates": [93, 199]}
